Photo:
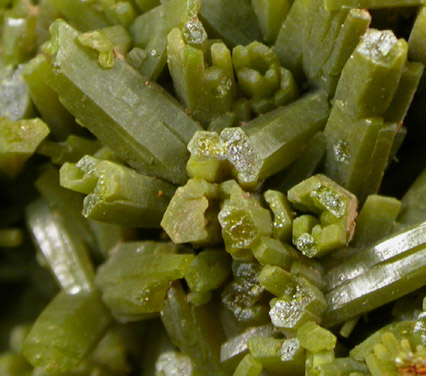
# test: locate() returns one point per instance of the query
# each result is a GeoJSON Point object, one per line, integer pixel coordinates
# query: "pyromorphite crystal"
{"type": "Point", "coordinates": [46, 100]}
{"type": "Point", "coordinates": [19, 140]}
{"type": "Point", "coordinates": [242, 295]}
{"type": "Point", "coordinates": [63, 251]}
{"type": "Point", "coordinates": [134, 280]}
{"type": "Point", "coordinates": [283, 214]}
{"type": "Point", "coordinates": [235, 23]}
{"type": "Point", "coordinates": [208, 271]}
{"type": "Point", "coordinates": [287, 129]}
{"type": "Point", "coordinates": [248, 367]}
{"type": "Point", "coordinates": [133, 116]}
{"type": "Point", "coordinates": [376, 219]}
{"type": "Point", "coordinates": [194, 330]}
{"type": "Point", "coordinates": [208, 158]}
{"type": "Point", "coordinates": [111, 43]}
{"type": "Point", "coordinates": [117, 194]}
{"type": "Point", "coordinates": [243, 221]}
{"type": "Point", "coordinates": [257, 68]}
{"type": "Point", "coordinates": [397, 244]}
{"type": "Point", "coordinates": [314, 338]}
{"type": "Point", "coordinates": [15, 101]}
{"type": "Point", "coordinates": [71, 150]}
{"type": "Point", "coordinates": [298, 300]}
{"type": "Point", "coordinates": [269, 251]}
{"type": "Point", "coordinates": [150, 31]}
{"type": "Point", "coordinates": [337, 210]}
{"type": "Point", "coordinates": [65, 332]}
{"type": "Point", "coordinates": [398, 276]}
{"type": "Point", "coordinates": [251, 157]}
{"type": "Point", "coordinates": [234, 349]}
{"type": "Point", "coordinates": [191, 216]}
{"type": "Point", "coordinates": [271, 14]}
{"type": "Point", "coordinates": [278, 356]}
{"type": "Point", "coordinates": [361, 129]}
{"type": "Point", "coordinates": [214, 92]}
